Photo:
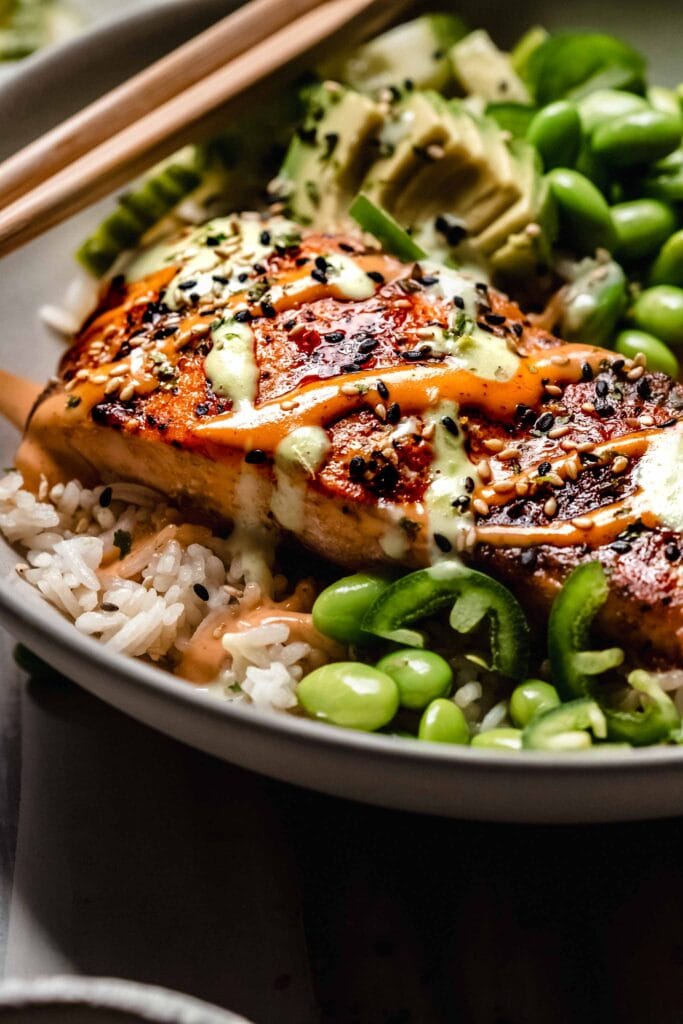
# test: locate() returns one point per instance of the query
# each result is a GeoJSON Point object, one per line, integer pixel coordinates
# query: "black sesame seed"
{"type": "Point", "coordinates": [601, 388]}
{"type": "Point", "coordinates": [351, 367]}
{"type": "Point", "coordinates": [516, 510]}
{"type": "Point", "coordinates": [242, 316]}
{"type": "Point", "coordinates": [482, 287]}
{"type": "Point", "coordinates": [300, 261]}
{"type": "Point", "coordinates": [105, 497]}
{"type": "Point", "coordinates": [268, 309]}
{"type": "Point", "coordinates": [586, 372]}
{"type": "Point", "coordinates": [375, 276]}
{"type": "Point", "coordinates": [451, 426]}
{"type": "Point", "coordinates": [319, 275]}
{"type": "Point", "coordinates": [186, 286]}
{"type": "Point", "coordinates": [356, 467]}
{"type": "Point", "coordinates": [529, 558]}
{"type": "Point", "coordinates": [442, 543]}
{"type": "Point", "coordinates": [201, 591]}
{"type": "Point", "coordinates": [545, 422]}
{"type": "Point", "coordinates": [202, 409]}
{"type": "Point", "coordinates": [382, 390]}
{"type": "Point", "coordinates": [495, 319]}
{"type": "Point", "coordinates": [429, 279]}
{"type": "Point", "coordinates": [605, 410]}
{"type": "Point", "coordinates": [462, 503]}
{"type": "Point", "coordinates": [394, 413]}
{"type": "Point", "coordinates": [469, 484]}
{"type": "Point", "coordinates": [265, 238]}
{"type": "Point", "coordinates": [486, 327]}
{"type": "Point", "coordinates": [672, 552]}
{"type": "Point", "coordinates": [368, 345]}
{"type": "Point", "coordinates": [544, 468]}
{"type": "Point", "coordinates": [194, 297]}
{"type": "Point", "coordinates": [255, 457]}
{"type": "Point", "coordinates": [518, 329]}
{"type": "Point", "coordinates": [108, 606]}
{"type": "Point", "coordinates": [453, 230]}
{"type": "Point", "coordinates": [387, 478]}
{"type": "Point", "coordinates": [458, 302]}
{"type": "Point", "coordinates": [243, 277]}
{"type": "Point", "coordinates": [644, 389]}
{"type": "Point", "coordinates": [621, 547]}
{"type": "Point", "coordinates": [618, 365]}
{"type": "Point", "coordinates": [220, 279]}
{"type": "Point", "coordinates": [308, 135]}
{"type": "Point", "coordinates": [259, 268]}
{"type": "Point", "coordinates": [212, 241]}
{"type": "Point", "coordinates": [321, 263]}
{"type": "Point", "coordinates": [667, 423]}
{"type": "Point", "coordinates": [345, 247]}
{"type": "Point", "coordinates": [335, 336]}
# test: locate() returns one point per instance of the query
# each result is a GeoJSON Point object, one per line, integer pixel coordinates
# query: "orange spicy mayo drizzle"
{"type": "Point", "coordinates": [414, 388]}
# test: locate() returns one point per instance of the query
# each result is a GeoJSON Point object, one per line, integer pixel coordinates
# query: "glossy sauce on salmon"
{"type": "Point", "coordinates": [379, 411]}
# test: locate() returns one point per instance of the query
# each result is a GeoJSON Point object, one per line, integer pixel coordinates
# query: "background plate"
{"type": "Point", "coordinates": [417, 777]}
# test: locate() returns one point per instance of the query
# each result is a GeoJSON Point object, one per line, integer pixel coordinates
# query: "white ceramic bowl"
{"type": "Point", "coordinates": [405, 774]}
{"type": "Point", "coordinates": [67, 1000]}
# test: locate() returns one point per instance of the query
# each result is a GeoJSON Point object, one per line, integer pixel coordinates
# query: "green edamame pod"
{"type": "Point", "coordinates": [668, 267]}
{"type": "Point", "coordinates": [659, 356]}
{"type": "Point", "coordinates": [498, 739]}
{"type": "Point", "coordinates": [594, 303]}
{"type": "Point", "coordinates": [604, 105]}
{"type": "Point", "coordinates": [640, 137]}
{"type": "Point", "coordinates": [642, 226]}
{"type": "Point", "coordinates": [566, 728]}
{"type": "Point", "coordinates": [530, 699]}
{"type": "Point", "coordinates": [659, 310]}
{"type": "Point", "coordinates": [444, 722]}
{"type": "Point", "coordinates": [573, 667]}
{"type": "Point", "coordinates": [339, 608]}
{"type": "Point", "coordinates": [585, 218]}
{"type": "Point", "coordinates": [555, 131]}
{"type": "Point", "coordinates": [421, 676]}
{"type": "Point", "coordinates": [652, 723]}
{"type": "Point", "coordinates": [350, 694]}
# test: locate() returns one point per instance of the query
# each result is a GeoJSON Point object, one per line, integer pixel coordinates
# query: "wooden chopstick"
{"type": "Point", "coordinates": [144, 92]}
{"type": "Point", "coordinates": [183, 118]}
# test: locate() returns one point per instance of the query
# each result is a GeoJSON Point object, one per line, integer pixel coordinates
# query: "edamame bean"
{"type": "Point", "coordinates": [444, 722]}
{"type": "Point", "coordinates": [555, 131]}
{"type": "Point", "coordinates": [659, 357]}
{"type": "Point", "coordinates": [499, 739]}
{"type": "Point", "coordinates": [594, 302]}
{"type": "Point", "coordinates": [666, 100]}
{"type": "Point", "coordinates": [339, 609]}
{"type": "Point", "coordinates": [529, 699]}
{"type": "Point", "coordinates": [351, 694]}
{"type": "Point", "coordinates": [665, 179]}
{"type": "Point", "coordinates": [637, 138]}
{"type": "Point", "coordinates": [642, 226]}
{"type": "Point", "coordinates": [668, 267]}
{"type": "Point", "coordinates": [659, 311]}
{"type": "Point", "coordinates": [585, 218]}
{"type": "Point", "coordinates": [604, 105]}
{"type": "Point", "coordinates": [421, 676]}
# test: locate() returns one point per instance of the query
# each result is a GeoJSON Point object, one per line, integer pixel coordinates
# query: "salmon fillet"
{"type": "Point", "coordinates": [381, 412]}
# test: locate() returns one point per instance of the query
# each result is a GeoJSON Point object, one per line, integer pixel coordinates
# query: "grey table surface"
{"type": "Point", "coordinates": [124, 853]}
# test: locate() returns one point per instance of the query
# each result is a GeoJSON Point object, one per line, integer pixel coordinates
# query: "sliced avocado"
{"type": "Point", "coordinates": [444, 161]}
{"type": "Point", "coordinates": [416, 52]}
{"type": "Point", "coordinates": [533, 207]}
{"type": "Point", "coordinates": [326, 160]}
{"type": "Point", "coordinates": [483, 69]}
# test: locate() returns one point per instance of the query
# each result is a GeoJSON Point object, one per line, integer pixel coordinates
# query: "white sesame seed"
{"type": "Point", "coordinates": [484, 470]}
{"type": "Point", "coordinates": [480, 506]}
{"type": "Point", "coordinates": [588, 407]}
{"type": "Point", "coordinates": [509, 453]}
{"type": "Point", "coordinates": [556, 432]}
{"type": "Point", "coordinates": [620, 464]}
{"type": "Point", "coordinates": [559, 360]}
{"type": "Point", "coordinates": [471, 538]}
{"type": "Point", "coordinates": [522, 488]}
{"type": "Point", "coordinates": [646, 421]}
{"type": "Point", "coordinates": [289, 403]}
{"type": "Point", "coordinates": [127, 392]}
{"type": "Point", "coordinates": [636, 373]}
{"type": "Point", "coordinates": [100, 378]}
{"type": "Point", "coordinates": [494, 445]}
{"type": "Point", "coordinates": [428, 431]}
{"type": "Point", "coordinates": [555, 479]}
{"type": "Point", "coordinates": [554, 390]}
{"type": "Point", "coordinates": [435, 151]}
{"type": "Point", "coordinates": [82, 374]}
{"type": "Point", "coordinates": [348, 389]}
{"type": "Point", "coordinates": [550, 507]}
{"type": "Point", "coordinates": [504, 486]}
{"type": "Point", "coordinates": [571, 469]}
{"type": "Point", "coordinates": [582, 522]}
{"type": "Point", "coordinates": [381, 411]}
{"type": "Point", "coordinates": [640, 359]}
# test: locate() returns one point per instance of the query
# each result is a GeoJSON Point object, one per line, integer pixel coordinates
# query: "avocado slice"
{"type": "Point", "coordinates": [327, 159]}
{"type": "Point", "coordinates": [484, 70]}
{"type": "Point", "coordinates": [416, 51]}
{"type": "Point", "coordinates": [533, 207]}
{"type": "Point", "coordinates": [442, 160]}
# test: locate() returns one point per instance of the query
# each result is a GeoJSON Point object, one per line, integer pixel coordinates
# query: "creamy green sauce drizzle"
{"type": "Point", "coordinates": [231, 365]}
{"type": "Point", "coordinates": [297, 458]}
{"type": "Point", "coordinates": [463, 340]}
{"type": "Point", "coordinates": [448, 472]}
{"type": "Point", "coordinates": [660, 475]}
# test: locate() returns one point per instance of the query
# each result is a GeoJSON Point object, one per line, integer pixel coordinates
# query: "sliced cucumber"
{"type": "Point", "coordinates": [416, 52]}
{"type": "Point", "coordinates": [386, 230]}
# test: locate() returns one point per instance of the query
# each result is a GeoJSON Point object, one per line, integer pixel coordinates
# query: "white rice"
{"type": "Point", "coordinates": [68, 539]}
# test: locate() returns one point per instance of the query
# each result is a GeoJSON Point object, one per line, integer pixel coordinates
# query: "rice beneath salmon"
{"type": "Point", "coordinates": [165, 589]}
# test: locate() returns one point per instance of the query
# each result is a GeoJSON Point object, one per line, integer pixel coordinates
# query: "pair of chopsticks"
{"type": "Point", "coordinates": [165, 106]}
